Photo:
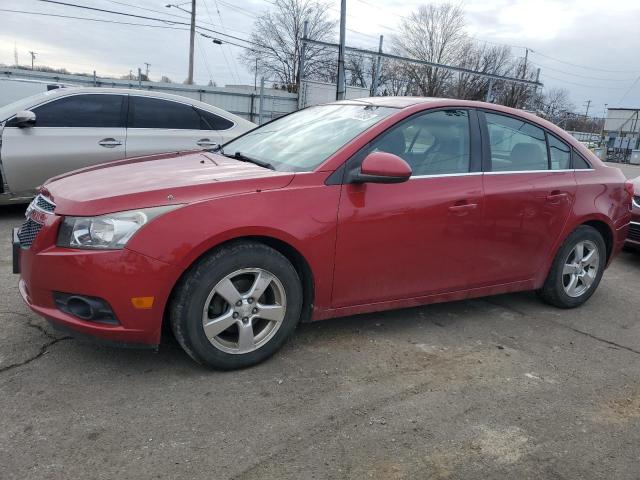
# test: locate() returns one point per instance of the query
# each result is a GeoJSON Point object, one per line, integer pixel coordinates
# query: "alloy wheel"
{"type": "Point", "coordinates": [244, 310]}
{"type": "Point", "coordinates": [580, 268]}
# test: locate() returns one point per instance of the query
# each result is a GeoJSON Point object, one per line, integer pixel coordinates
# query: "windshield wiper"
{"type": "Point", "coordinates": [244, 158]}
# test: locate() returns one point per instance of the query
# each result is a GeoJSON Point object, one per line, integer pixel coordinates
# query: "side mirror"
{"type": "Point", "coordinates": [25, 118]}
{"type": "Point", "coordinates": [382, 167]}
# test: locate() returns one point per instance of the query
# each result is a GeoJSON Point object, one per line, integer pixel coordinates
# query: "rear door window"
{"type": "Point", "coordinates": [515, 145]}
{"type": "Point", "coordinates": [93, 111]}
{"type": "Point", "coordinates": [145, 112]}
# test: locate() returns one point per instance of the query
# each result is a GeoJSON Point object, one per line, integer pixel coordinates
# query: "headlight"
{"type": "Point", "coordinates": [110, 231]}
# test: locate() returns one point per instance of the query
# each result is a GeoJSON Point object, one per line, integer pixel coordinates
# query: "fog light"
{"type": "Point", "coordinates": [92, 309]}
{"type": "Point", "coordinates": [142, 303]}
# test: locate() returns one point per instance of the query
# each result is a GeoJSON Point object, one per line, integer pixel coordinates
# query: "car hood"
{"type": "Point", "coordinates": [155, 180]}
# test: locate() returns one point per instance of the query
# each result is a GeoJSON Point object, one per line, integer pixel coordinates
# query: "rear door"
{"type": "Point", "coordinates": [157, 125]}
{"type": "Point", "coordinates": [70, 132]}
{"type": "Point", "coordinates": [529, 190]}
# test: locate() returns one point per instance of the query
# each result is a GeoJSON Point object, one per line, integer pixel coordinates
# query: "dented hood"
{"type": "Point", "coordinates": [158, 180]}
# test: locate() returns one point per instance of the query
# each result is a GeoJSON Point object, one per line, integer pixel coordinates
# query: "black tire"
{"type": "Point", "coordinates": [191, 294]}
{"type": "Point", "coordinates": [553, 291]}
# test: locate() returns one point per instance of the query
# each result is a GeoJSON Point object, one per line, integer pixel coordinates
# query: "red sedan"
{"type": "Point", "coordinates": [339, 209]}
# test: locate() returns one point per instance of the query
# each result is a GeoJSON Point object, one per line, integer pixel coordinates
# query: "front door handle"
{"type": "Point", "coordinates": [205, 142]}
{"type": "Point", "coordinates": [556, 196]}
{"type": "Point", "coordinates": [462, 208]}
{"type": "Point", "coordinates": [109, 143]}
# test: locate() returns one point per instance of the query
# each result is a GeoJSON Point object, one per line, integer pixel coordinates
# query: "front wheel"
{"type": "Point", "coordinates": [236, 306]}
{"type": "Point", "coordinates": [576, 270]}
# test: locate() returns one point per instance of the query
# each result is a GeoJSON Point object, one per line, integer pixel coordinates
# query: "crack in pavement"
{"type": "Point", "coordinates": [43, 349]}
{"type": "Point", "coordinates": [604, 340]}
{"type": "Point", "coordinates": [573, 329]}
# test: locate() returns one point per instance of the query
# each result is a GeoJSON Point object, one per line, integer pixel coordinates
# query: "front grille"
{"type": "Point", "coordinates": [634, 232]}
{"type": "Point", "coordinates": [28, 232]}
{"type": "Point", "coordinates": [43, 203]}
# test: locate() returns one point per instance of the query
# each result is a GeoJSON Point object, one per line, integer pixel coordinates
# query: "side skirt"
{"type": "Point", "coordinates": [425, 300]}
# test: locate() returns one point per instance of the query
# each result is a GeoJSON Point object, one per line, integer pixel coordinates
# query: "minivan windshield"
{"type": "Point", "coordinates": [303, 140]}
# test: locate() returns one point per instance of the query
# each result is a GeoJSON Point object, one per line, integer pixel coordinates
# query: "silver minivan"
{"type": "Point", "coordinates": [69, 128]}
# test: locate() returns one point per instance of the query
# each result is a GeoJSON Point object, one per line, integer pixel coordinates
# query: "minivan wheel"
{"type": "Point", "coordinates": [236, 306]}
{"type": "Point", "coordinates": [576, 270]}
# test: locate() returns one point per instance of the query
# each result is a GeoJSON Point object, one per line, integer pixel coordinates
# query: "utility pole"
{"type": "Point", "coordinates": [255, 77]}
{"type": "Point", "coordinates": [303, 54]}
{"type": "Point", "coordinates": [192, 33]}
{"type": "Point", "coordinates": [261, 104]}
{"type": "Point", "coordinates": [586, 113]}
{"type": "Point", "coordinates": [33, 57]}
{"type": "Point", "coordinates": [341, 87]}
{"type": "Point", "coordinates": [526, 57]}
{"type": "Point", "coordinates": [192, 39]}
{"type": "Point", "coordinates": [376, 70]}
{"type": "Point", "coordinates": [139, 77]}
{"type": "Point", "coordinates": [147, 70]}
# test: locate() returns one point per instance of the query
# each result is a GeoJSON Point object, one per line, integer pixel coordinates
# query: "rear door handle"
{"type": "Point", "coordinates": [206, 142]}
{"type": "Point", "coordinates": [109, 143]}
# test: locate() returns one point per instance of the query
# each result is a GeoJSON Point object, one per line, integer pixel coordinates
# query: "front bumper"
{"type": "Point", "coordinates": [113, 275]}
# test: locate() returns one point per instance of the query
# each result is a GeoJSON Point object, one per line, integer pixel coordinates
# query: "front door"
{"type": "Point", "coordinates": [69, 133]}
{"type": "Point", "coordinates": [397, 241]}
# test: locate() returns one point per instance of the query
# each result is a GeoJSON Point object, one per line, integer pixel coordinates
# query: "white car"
{"type": "Point", "coordinates": [65, 129]}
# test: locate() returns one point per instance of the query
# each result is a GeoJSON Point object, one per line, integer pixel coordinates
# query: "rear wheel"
{"type": "Point", "coordinates": [237, 306]}
{"type": "Point", "coordinates": [576, 270]}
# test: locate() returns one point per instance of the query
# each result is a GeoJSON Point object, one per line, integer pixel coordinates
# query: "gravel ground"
{"type": "Point", "coordinates": [501, 387]}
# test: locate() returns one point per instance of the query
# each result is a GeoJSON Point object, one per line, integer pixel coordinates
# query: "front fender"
{"type": "Point", "coordinates": [304, 216]}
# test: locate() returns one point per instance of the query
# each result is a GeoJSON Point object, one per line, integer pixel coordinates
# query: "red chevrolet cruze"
{"type": "Point", "coordinates": [346, 208]}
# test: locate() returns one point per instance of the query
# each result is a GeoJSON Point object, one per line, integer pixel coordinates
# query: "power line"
{"type": "Point", "coordinates": [101, 20]}
{"type": "Point", "coordinates": [582, 66]}
{"type": "Point", "coordinates": [546, 67]}
{"type": "Point", "coordinates": [172, 22]}
{"type": "Point", "coordinates": [628, 91]}
{"type": "Point", "coordinates": [579, 84]}
{"type": "Point", "coordinates": [117, 22]}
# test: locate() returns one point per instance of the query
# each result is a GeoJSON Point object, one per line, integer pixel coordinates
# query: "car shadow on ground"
{"type": "Point", "coordinates": [337, 336]}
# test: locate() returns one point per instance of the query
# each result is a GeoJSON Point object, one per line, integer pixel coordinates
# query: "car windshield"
{"type": "Point", "coordinates": [303, 140]}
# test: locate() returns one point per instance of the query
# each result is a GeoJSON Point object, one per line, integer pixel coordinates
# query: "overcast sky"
{"type": "Point", "coordinates": [589, 47]}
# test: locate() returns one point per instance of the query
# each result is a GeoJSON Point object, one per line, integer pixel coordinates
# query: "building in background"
{"type": "Point", "coordinates": [621, 134]}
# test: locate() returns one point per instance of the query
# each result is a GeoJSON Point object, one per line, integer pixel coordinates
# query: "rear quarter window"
{"type": "Point", "coordinates": [579, 163]}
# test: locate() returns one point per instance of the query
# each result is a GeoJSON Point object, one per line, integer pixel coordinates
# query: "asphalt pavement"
{"type": "Point", "coordinates": [500, 387]}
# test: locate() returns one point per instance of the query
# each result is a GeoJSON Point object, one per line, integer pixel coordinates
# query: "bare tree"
{"type": "Point", "coordinates": [277, 34]}
{"type": "Point", "coordinates": [553, 103]}
{"type": "Point", "coordinates": [479, 58]}
{"type": "Point", "coordinates": [359, 70]}
{"type": "Point", "coordinates": [433, 33]}
{"type": "Point", "coordinates": [394, 79]}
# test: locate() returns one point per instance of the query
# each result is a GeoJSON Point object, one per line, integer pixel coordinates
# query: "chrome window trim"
{"type": "Point", "coordinates": [541, 171]}
{"type": "Point", "coordinates": [444, 175]}
{"type": "Point", "coordinates": [441, 175]}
